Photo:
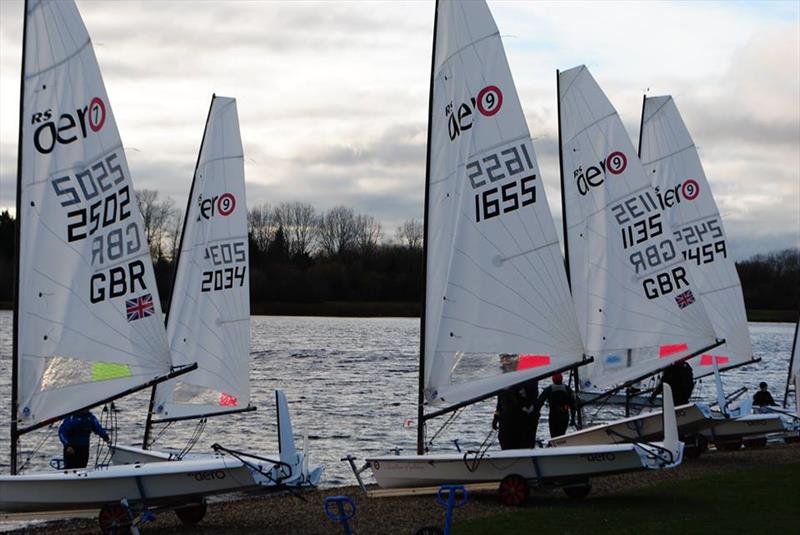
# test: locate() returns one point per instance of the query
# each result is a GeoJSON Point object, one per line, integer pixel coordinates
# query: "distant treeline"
{"type": "Point", "coordinates": [340, 262]}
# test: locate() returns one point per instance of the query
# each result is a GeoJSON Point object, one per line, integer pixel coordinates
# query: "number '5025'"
{"type": "Point", "coordinates": [506, 198]}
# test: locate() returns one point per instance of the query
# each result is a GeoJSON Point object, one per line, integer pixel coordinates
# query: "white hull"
{"type": "Point", "coordinates": [752, 425]}
{"type": "Point", "coordinates": [692, 418]}
{"type": "Point", "coordinates": [153, 483]}
{"type": "Point", "coordinates": [549, 466]}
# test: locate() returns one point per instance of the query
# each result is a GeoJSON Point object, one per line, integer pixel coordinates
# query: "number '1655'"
{"type": "Point", "coordinates": [506, 198]}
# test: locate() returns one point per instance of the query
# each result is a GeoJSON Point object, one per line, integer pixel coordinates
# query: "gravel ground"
{"type": "Point", "coordinates": [291, 516]}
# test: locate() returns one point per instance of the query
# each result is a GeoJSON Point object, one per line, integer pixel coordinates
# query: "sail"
{"type": "Point", "coordinates": [671, 161]}
{"type": "Point", "coordinates": [497, 305]}
{"type": "Point", "coordinates": [209, 313]}
{"type": "Point", "coordinates": [638, 307]}
{"type": "Point", "coordinates": [89, 317]}
{"type": "Point", "coordinates": [794, 371]}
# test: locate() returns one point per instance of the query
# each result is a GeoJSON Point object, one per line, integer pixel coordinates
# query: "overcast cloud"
{"type": "Point", "coordinates": [333, 96]}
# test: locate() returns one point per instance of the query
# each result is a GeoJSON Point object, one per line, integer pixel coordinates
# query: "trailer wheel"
{"type": "Point", "coordinates": [514, 490]}
{"type": "Point", "coordinates": [695, 446]}
{"type": "Point", "coordinates": [792, 439]}
{"type": "Point", "coordinates": [577, 492]}
{"type": "Point", "coordinates": [114, 520]}
{"type": "Point", "coordinates": [191, 514]}
{"type": "Point", "coordinates": [755, 443]}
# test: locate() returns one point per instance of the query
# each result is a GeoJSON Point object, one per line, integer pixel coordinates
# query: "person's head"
{"type": "Point", "coordinates": [508, 362]}
{"type": "Point", "coordinates": [557, 378]}
{"type": "Point", "coordinates": [762, 385]}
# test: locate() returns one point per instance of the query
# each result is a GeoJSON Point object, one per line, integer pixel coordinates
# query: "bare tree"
{"type": "Point", "coordinates": [337, 231]}
{"type": "Point", "coordinates": [262, 222]}
{"type": "Point", "coordinates": [156, 213]}
{"type": "Point", "coordinates": [299, 221]}
{"type": "Point", "coordinates": [368, 233]}
{"type": "Point", "coordinates": [174, 229]}
{"type": "Point", "coordinates": [410, 233]}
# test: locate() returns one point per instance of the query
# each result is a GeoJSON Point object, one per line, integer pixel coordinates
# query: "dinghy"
{"type": "Point", "coordinates": [497, 307]}
{"type": "Point", "coordinates": [87, 322]}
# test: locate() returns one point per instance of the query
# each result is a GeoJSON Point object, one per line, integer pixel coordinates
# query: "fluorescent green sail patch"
{"type": "Point", "coordinates": [104, 371]}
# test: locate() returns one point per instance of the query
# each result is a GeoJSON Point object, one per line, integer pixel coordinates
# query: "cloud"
{"type": "Point", "coordinates": [332, 97]}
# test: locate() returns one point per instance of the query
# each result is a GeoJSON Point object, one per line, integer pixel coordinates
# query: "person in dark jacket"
{"type": "Point", "coordinates": [763, 398]}
{"type": "Point", "coordinates": [514, 417]}
{"type": "Point", "coordinates": [74, 433]}
{"type": "Point", "coordinates": [680, 377]}
{"type": "Point", "coordinates": [562, 405]}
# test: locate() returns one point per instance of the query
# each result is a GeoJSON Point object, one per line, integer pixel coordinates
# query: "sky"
{"type": "Point", "coordinates": [332, 96]}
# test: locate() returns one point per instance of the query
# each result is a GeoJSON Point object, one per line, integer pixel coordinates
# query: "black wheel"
{"type": "Point", "coordinates": [792, 439]}
{"type": "Point", "coordinates": [514, 490]}
{"type": "Point", "coordinates": [114, 520]}
{"type": "Point", "coordinates": [577, 492]}
{"type": "Point", "coordinates": [755, 443]}
{"type": "Point", "coordinates": [191, 514]}
{"type": "Point", "coordinates": [430, 530]}
{"type": "Point", "coordinates": [695, 446]}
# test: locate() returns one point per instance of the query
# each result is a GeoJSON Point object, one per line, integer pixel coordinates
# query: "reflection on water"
{"type": "Point", "coordinates": [352, 387]}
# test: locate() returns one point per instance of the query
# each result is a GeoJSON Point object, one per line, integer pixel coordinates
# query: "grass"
{"type": "Point", "coordinates": [777, 316]}
{"type": "Point", "coordinates": [765, 501]}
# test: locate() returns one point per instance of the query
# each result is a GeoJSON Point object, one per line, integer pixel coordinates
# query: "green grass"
{"type": "Point", "coordinates": [765, 501]}
{"type": "Point", "coordinates": [785, 316]}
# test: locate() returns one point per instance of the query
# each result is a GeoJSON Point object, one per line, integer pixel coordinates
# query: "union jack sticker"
{"type": "Point", "coordinates": [685, 299]}
{"type": "Point", "coordinates": [140, 307]}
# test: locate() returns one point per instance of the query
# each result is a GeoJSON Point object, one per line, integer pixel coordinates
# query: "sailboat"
{"type": "Point", "coordinates": [209, 313]}
{"type": "Point", "coordinates": [87, 317]}
{"type": "Point", "coordinates": [637, 299]}
{"type": "Point", "coordinates": [794, 371]}
{"type": "Point", "coordinates": [495, 285]}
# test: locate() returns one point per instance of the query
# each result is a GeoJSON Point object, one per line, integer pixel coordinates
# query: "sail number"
{"type": "Point", "coordinates": [505, 168]}
{"type": "Point", "coordinates": [94, 185]}
{"type": "Point", "coordinates": [222, 254]}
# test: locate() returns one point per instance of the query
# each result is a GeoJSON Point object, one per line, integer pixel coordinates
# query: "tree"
{"type": "Point", "coordinates": [156, 214]}
{"type": "Point", "coordinates": [368, 233]}
{"type": "Point", "coordinates": [410, 233]}
{"type": "Point", "coordinates": [337, 231]}
{"type": "Point", "coordinates": [299, 221]}
{"type": "Point", "coordinates": [262, 223]}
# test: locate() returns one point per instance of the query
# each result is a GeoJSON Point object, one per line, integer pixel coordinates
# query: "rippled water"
{"type": "Point", "coordinates": [352, 386]}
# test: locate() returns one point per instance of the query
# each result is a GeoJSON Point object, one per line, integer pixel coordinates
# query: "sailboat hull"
{"type": "Point", "coordinates": [692, 418]}
{"type": "Point", "coordinates": [158, 483]}
{"type": "Point", "coordinates": [546, 467]}
{"type": "Point", "coordinates": [750, 426]}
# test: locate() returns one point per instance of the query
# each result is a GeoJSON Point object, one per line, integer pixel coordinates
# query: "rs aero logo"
{"type": "Point", "coordinates": [68, 127]}
{"type": "Point", "coordinates": [460, 118]}
{"type": "Point", "coordinates": [223, 205]}
{"type": "Point", "coordinates": [594, 175]}
{"type": "Point", "coordinates": [689, 189]}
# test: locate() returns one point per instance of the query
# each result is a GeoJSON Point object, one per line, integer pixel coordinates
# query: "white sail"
{"type": "Point", "coordinates": [496, 282]}
{"type": "Point", "coordinates": [209, 314]}
{"type": "Point", "coordinates": [670, 160]}
{"type": "Point", "coordinates": [637, 305]}
{"type": "Point", "coordinates": [89, 318]}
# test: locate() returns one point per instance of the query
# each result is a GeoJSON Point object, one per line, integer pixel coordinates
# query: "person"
{"type": "Point", "coordinates": [514, 418]}
{"type": "Point", "coordinates": [74, 433]}
{"type": "Point", "coordinates": [763, 398]}
{"type": "Point", "coordinates": [562, 405]}
{"type": "Point", "coordinates": [680, 377]}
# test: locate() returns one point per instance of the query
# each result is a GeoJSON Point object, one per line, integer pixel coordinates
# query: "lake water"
{"type": "Point", "coordinates": [351, 385]}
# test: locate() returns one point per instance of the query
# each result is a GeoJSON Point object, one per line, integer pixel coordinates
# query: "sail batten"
{"type": "Point", "coordinates": [638, 305]}
{"type": "Point", "coordinates": [497, 305]}
{"type": "Point", "coordinates": [88, 317]}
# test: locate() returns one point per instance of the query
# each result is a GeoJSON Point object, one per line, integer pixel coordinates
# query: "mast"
{"type": "Point", "coordinates": [149, 422]}
{"type": "Point", "coordinates": [421, 387]}
{"type": "Point", "coordinates": [791, 362]}
{"type": "Point", "coordinates": [17, 230]}
{"type": "Point", "coordinates": [641, 127]}
{"type": "Point", "coordinates": [574, 372]}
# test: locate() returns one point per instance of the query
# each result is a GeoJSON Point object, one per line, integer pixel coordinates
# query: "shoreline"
{"type": "Point", "coordinates": [411, 309]}
{"type": "Point", "coordinates": [286, 514]}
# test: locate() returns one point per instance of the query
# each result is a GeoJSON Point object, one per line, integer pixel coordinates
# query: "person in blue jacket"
{"type": "Point", "coordinates": [74, 433]}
